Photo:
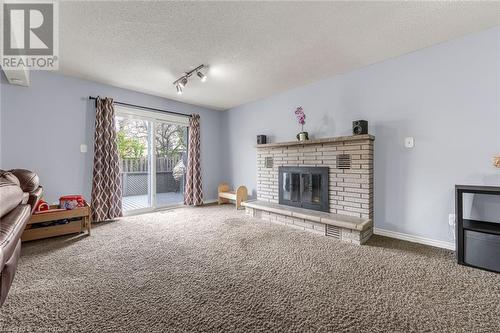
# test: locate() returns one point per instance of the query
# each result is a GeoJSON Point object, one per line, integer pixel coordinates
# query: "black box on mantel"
{"type": "Point", "coordinates": [261, 139]}
{"type": "Point", "coordinates": [359, 127]}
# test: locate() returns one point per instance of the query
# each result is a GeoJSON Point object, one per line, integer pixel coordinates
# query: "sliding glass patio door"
{"type": "Point", "coordinates": [153, 156]}
{"type": "Point", "coordinates": [134, 148]}
{"type": "Point", "coordinates": [171, 158]}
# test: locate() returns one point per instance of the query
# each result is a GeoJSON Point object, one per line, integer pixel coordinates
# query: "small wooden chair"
{"type": "Point", "coordinates": [240, 195]}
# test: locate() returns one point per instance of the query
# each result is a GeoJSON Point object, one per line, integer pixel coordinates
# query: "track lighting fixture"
{"type": "Point", "coordinates": [183, 80]}
{"type": "Point", "coordinates": [202, 76]}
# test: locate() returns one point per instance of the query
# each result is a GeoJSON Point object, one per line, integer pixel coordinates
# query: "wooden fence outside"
{"type": "Point", "coordinates": [163, 164]}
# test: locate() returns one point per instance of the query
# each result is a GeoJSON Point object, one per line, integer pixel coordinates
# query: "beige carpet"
{"type": "Point", "coordinates": [214, 269]}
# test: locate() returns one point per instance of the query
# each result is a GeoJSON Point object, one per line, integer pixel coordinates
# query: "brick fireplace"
{"type": "Point", "coordinates": [349, 161]}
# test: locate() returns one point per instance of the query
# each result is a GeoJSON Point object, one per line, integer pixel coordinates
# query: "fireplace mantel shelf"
{"type": "Point", "coordinates": [318, 141]}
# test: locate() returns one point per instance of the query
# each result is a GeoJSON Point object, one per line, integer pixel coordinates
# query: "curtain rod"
{"type": "Point", "coordinates": [146, 108]}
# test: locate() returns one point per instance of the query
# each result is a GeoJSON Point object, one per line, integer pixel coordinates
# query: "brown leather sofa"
{"type": "Point", "coordinates": [19, 193]}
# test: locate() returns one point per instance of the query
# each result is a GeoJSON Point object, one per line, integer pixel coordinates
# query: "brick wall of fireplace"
{"type": "Point", "coordinates": [350, 163]}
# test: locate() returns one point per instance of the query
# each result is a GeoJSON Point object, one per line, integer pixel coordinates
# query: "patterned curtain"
{"type": "Point", "coordinates": [106, 183]}
{"type": "Point", "coordinates": [193, 193]}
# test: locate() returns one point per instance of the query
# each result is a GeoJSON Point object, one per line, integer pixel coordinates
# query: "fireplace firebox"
{"type": "Point", "coordinates": [305, 187]}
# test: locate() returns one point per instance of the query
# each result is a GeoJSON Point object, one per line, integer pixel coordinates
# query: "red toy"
{"type": "Point", "coordinates": [71, 201]}
{"type": "Point", "coordinates": [41, 206]}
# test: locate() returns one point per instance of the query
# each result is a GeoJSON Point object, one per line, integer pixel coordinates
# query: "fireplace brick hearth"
{"type": "Point", "coordinates": [350, 193]}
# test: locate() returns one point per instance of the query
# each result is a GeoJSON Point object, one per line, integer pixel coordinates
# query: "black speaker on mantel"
{"type": "Point", "coordinates": [261, 139]}
{"type": "Point", "coordinates": [359, 127]}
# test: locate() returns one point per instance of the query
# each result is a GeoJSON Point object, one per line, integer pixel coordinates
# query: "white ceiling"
{"type": "Point", "coordinates": [254, 49]}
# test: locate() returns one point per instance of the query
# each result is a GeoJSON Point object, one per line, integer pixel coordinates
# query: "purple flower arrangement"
{"type": "Point", "coordinates": [301, 118]}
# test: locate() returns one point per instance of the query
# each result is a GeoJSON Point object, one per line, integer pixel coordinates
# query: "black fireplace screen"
{"type": "Point", "coordinates": [305, 187]}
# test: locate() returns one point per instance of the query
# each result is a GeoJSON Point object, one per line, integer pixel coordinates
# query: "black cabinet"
{"type": "Point", "coordinates": [477, 242]}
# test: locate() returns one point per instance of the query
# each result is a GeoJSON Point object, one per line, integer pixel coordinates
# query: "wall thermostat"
{"type": "Point", "coordinates": [409, 142]}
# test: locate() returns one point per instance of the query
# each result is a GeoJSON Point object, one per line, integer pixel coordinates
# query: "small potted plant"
{"type": "Point", "coordinates": [301, 118]}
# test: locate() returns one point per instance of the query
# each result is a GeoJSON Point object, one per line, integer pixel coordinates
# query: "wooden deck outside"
{"type": "Point", "coordinates": [133, 202]}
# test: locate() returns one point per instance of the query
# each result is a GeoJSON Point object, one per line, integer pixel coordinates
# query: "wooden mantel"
{"type": "Point", "coordinates": [318, 141]}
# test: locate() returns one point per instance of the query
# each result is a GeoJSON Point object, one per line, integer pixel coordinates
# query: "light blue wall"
{"type": "Point", "coordinates": [42, 127]}
{"type": "Point", "coordinates": [446, 96]}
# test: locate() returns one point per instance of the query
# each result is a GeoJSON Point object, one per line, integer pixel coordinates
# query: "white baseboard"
{"type": "Point", "coordinates": [210, 201]}
{"type": "Point", "coordinates": [414, 239]}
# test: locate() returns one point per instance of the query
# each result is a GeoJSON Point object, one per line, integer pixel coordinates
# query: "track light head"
{"type": "Point", "coordinates": [179, 89]}
{"type": "Point", "coordinates": [202, 76]}
{"type": "Point", "coordinates": [182, 82]}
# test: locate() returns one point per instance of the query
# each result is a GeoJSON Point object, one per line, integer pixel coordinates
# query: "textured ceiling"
{"type": "Point", "coordinates": [254, 49]}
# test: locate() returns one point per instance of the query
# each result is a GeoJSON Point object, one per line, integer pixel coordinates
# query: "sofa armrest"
{"type": "Point", "coordinates": [28, 180]}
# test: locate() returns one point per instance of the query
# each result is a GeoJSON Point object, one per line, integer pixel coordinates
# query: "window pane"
{"type": "Point", "coordinates": [133, 149]}
{"type": "Point", "coordinates": [171, 161]}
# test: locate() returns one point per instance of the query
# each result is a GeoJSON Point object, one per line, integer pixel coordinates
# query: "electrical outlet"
{"type": "Point", "coordinates": [451, 219]}
{"type": "Point", "coordinates": [83, 148]}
